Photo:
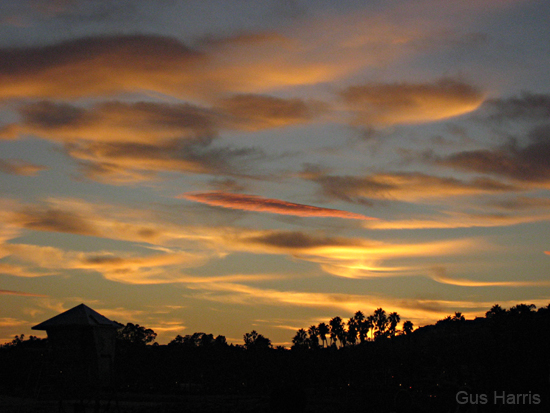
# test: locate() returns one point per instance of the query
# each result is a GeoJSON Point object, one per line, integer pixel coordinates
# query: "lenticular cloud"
{"type": "Point", "coordinates": [275, 206]}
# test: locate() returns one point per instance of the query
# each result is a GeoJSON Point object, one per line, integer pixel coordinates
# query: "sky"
{"type": "Point", "coordinates": [220, 167]}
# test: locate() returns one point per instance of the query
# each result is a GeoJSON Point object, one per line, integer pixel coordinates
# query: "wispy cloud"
{"type": "Point", "coordinates": [350, 257]}
{"type": "Point", "coordinates": [528, 163]}
{"type": "Point", "coordinates": [527, 106]}
{"type": "Point", "coordinates": [20, 167]}
{"type": "Point", "coordinates": [275, 206]}
{"type": "Point", "coordinates": [453, 219]}
{"type": "Point", "coordinates": [255, 112]}
{"type": "Point", "coordinates": [120, 142]}
{"type": "Point", "coordinates": [420, 310]}
{"type": "Point", "coordinates": [397, 103]}
{"type": "Point", "coordinates": [408, 187]}
{"type": "Point", "coordinates": [20, 293]}
{"type": "Point", "coordinates": [440, 275]}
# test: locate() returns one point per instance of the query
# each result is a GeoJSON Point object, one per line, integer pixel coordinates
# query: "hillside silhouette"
{"type": "Point", "coordinates": [497, 363]}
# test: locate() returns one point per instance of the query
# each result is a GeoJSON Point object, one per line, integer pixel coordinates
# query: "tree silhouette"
{"type": "Point", "coordinates": [353, 328]}
{"type": "Point", "coordinates": [253, 340]}
{"type": "Point", "coordinates": [136, 334]}
{"type": "Point", "coordinates": [408, 327]}
{"type": "Point", "coordinates": [323, 331]}
{"type": "Point", "coordinates": [337, 331]}
{"type": "Point", "coordinates": [313, 333]}
{"type": "Point", "coordinates": [495, 312]}
{"type": "Point", "coordinates": [300, 340]}
{"type": "Point", "coordinates": [458, 317]}
{"type": "Point", "coordinates": [380, 322]}
{"type": "Point", "coordinates": [393, 320]}
{"type": "Point", "coordinates": [522, 309]}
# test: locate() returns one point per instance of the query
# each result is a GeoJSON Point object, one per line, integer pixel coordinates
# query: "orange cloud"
{"type": "Point", "coordinates": [458, 220]}
{"type": "Point", "coordinates": [440, 275]}
{"type": "Point", "coordinates": [274, 206]}
{"type": "Point", "coordinates": [317, 50]}
{"type": "Point", "coordinates": [404, 187]}
{"type": "Point", "coordinates": [420, 310]}
{"type": "Point", "coordinates": [20, 293]}
{"type": "Point", "coordinates": [96, 66]}
{"type": "Point", "coordinates": [389, 104]}
{"type": "Point", "coordinates": [255, 112]}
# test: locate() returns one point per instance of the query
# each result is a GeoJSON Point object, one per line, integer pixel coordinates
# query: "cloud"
{"type": "Point", "coordinates": [55, 220]}
{"type": "Point", "coordinates": [275, 206]}
{"type": "Point", "coordinates": [296, 240]}
{"type": "Point", "coordinates": [381, 104]}
{"type": "Point", "coordinates": [74, 216]}
{"type": "Point", "coordinates": [97, 66]}
{"type": "Point", "coordinates": [122, 267]}
{"type": "Point", "coordinates": [452, 219]}
{"type": "Point", "coordinates": [109, 65]}
{"type": "Point", "coordinates": [348, 257]}
{"type": "Point", "coordinates": [420, 310]}
{"type": "Point", "coordinates": [116, 121]}
{"type": "Point", "coordinates": [20, 167]}
{"type": "Point", "coordinates": [18, 270]}
{"type": "Point", "coordinates": [20, 293]}
{"type": "Point", "coordinates": [122, 142]}
{"type": "Point", "coordinates": [527, 163]}
{"type": "Point", "coordinates": [320, 49]}
{"type": "Point", "coordinates": [440, 275]}
{"type": "Point", "coordinates": [130, 162]}
{"type": "Point", "coordinates": [180, 246]}
{"type": "Point", "coordinates": [521, 203]}
{"type": "Point", "coordinates": [404, 187]}
{"type": "Point", "coordinates": [255, 112]}
{"type": "Point", "coordinates": [528, 106]}
{"type": "Point", "coordinates": [11, 322]}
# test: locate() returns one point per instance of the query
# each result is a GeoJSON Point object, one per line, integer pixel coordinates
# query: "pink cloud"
{"type": "Point", "coordinates": [274, 206]}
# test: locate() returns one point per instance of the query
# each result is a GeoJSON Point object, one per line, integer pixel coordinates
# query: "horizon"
{"type": "Point", "coordinates": [223, 168]}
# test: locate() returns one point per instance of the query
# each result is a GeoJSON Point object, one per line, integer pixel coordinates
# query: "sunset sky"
{"type": "Point", "coordinates": [223, 166]}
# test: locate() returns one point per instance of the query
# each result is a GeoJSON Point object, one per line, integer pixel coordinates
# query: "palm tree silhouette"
{"type": "Point", "coordinates": [380, 322]}
{"type": "Point", "coordinates": [300, 340]}
{"type": "Point", "coordinates": [393, 319]}
{"type": "Point", "coordinates": [408, 327]}
{"type": "Point", "coordinates": [313, 333]}
{"type": "Point", "coordinates": [337, 331]}
{"type": "Point", "coordinates": [323, 331]}
{"type": "Point", "coordinates": [353, 327]}
{"type": "Point", "coordinates": [362, 326]}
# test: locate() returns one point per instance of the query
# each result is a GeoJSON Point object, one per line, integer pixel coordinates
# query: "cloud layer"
{"type": "Point", "coordinates": [275, 206]}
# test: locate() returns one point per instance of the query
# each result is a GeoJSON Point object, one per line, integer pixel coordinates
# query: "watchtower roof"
{"type": "Point", "coordinates": [81, 315]}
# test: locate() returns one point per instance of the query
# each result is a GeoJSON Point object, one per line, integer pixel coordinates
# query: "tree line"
{"type": "Point", "coordinates": [506, 350]}
{"type": "Point", "coordinates": [357, 330]}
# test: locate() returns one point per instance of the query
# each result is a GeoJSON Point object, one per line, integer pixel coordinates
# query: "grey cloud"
{"type": "Point", "coordinates": [529, 163]}
{"type": "Point", "coordinates": [55, 220]}
{"type": "Point", "coordinates": [20, 167]}
{"type": "Point", "coordinates": [528, 106]}
{"type": "Point", "coordinates": [298, 240]}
